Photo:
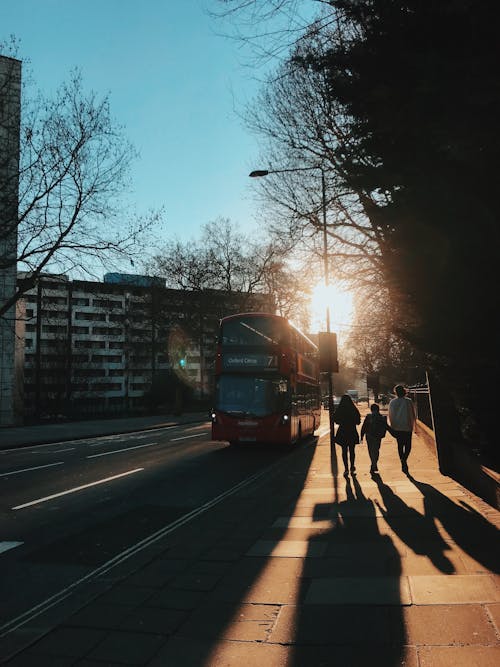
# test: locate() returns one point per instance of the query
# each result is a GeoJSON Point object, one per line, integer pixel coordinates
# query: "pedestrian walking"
{"type": "Point", "coordinates": [374, 427]}
{"type": "Point", "coordinates": [347, 416]}
{"type": "Point", "coordinates": [401, 422]}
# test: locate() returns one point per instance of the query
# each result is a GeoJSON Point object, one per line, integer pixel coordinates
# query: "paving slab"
{"type": "Point", "coordinates": [287, 549]}
{"type": "Point", "coordinates": [244, 622]}
{"type": "Point", "coordinates": [459, 656]}
{"type": "Point", "coordinates": [455, 589]}
{"type": "Point", "coordinates": [359, 590]}
{"type": "Point", "coordinates": [448, 625]}
{"type": "Point", "coordinates": [127, 648]}
{"type": "Point", "coordinates": [186, 652]}
{"type": "Point", "coordinates": [337, 625]}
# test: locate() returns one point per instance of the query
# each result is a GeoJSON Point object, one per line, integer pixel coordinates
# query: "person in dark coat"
{"type": "Point", "coordinates": [374, 428]}
{"type": "Point", "coordinates": [347, 416]}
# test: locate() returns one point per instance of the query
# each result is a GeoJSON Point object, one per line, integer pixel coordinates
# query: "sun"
{"type": "Point", "coordinates": [341, 306]}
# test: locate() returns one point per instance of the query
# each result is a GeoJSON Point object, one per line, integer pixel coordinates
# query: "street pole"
{"type": "Point", "coordinates": [264, 172]}
{"type": "Point", "coordinates": [331, 404]}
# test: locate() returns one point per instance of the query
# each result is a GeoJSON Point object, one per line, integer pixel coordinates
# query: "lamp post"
{"type": "Point", "coordinates": [265, 172]}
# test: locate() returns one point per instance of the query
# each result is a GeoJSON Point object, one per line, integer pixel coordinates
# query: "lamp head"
{"type": "Point", "coordinates": [258, 172]}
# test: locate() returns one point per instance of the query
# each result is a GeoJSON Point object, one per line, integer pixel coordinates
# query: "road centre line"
{"type": "Point", "coordinates": [118, 451]}
{"type": "Point", "coordinates": [5, 546]}
{"type": "Point", "coordinates": [76, 488]}
{"type": "Point", "coordinates": [87, 439]}
{"type": "Point", "coordinates": [185, 437]}
{"type": "Point", "coordinates": [130, 434]}
{"type": "Point", "coordinates": [16, 472]}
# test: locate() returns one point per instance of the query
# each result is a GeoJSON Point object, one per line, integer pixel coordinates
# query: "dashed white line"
{"type": "Point", "coordinates": [118, 451]}
{"type": "Point", "coordinates": [186, 437]}
{"type": "Point", "coordinates": [16, 472]}
{"type": "Point", "coordinates": [5, 546]}
{"type": "Point", "coordinates": [75, 489]}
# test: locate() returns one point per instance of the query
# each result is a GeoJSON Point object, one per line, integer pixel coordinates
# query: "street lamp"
{"type": "Point", "coordinates": [265, 172]}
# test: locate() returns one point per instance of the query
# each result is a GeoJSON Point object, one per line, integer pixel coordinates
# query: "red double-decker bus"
{"type": "Point", "coordinates": [267, 381]}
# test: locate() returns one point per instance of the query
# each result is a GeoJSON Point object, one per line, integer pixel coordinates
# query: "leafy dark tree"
{"type": "Point", "coordinates": [411, 91]}
{"type": "Point", "coordinates": [418, 84]}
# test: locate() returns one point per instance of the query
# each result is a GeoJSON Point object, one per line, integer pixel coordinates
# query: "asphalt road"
{"type": "Point", "coordinates": [68, 508]}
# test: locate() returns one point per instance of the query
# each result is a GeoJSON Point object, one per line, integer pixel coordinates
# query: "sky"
{"type": "Point", "coordinates": [174, 82]}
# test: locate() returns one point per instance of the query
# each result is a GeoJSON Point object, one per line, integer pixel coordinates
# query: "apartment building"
{"type": "Point", "coordinates": [10, 114]}
{"type": "Point", "coordinates": [100, 348]}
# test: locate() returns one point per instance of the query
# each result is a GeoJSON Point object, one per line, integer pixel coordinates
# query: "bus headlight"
{"type": "Point", "coordinates": [285, 419]}
{"type": "Point", "coordinates": [214, 418]}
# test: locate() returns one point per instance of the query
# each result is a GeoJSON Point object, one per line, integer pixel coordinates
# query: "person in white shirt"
{"type": "Point", "coordinates": [401, 421]}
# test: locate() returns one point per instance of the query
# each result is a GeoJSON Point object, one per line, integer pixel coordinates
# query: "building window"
{"type": "Point", "coordinates": [106, 331]}
{"type": "Point", "coordinates": [109, 304]}
{"type": "Point", "coordinates": [53, 328]}
{"type": "Point", "coordinates": [92, 317]}
{"type": "Point", "coordinates": [60, 300]}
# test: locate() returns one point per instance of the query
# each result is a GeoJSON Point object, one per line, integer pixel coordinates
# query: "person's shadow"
{"type": "Point", "coordinates": [465, 525]}
{"type": "Point", "coordinates": [417, 531]}
{"type": "Point", "coordinates": [351, 601]}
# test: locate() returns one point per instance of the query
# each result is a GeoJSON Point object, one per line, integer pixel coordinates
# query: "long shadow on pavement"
{"type": "Point", "coordinates": [468, 529]}
{"type": "Point", "coordinates": [351, 611]}
{"type": "Point", "coordinates": [417, 531]}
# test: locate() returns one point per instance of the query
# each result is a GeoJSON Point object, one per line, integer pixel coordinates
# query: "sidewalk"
{"type": "Point", "coordinates": [39, 434]}
{"type": "Point", "coordinates": [302, 568]}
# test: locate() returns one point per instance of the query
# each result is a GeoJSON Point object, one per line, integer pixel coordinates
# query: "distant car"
{"type": "Point", "coordinates": [336, 401]}
{"type": "Point", "coordinates": [354, 394]}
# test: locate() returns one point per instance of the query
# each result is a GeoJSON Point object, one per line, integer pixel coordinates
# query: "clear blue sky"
{"type": "Point", "coordinates": [173, 82]}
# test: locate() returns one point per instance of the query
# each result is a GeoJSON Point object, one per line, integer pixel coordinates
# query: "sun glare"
{"type": "Point", "coordinates": [341, 308]}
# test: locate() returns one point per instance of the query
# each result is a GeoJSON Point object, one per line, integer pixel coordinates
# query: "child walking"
{"type": "Point", "coordinates": [374, 427]}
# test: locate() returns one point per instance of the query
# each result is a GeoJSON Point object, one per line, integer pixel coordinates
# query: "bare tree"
{"type": "Point", "coordinates": [73, 178]}
{"type": "Point", "coordinates": [226, 260]}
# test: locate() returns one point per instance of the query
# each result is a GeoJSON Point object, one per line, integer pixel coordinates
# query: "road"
{"type": "Point", "coordinates": [67, 509]}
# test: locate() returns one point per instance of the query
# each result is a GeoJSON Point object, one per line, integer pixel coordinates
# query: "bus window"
{"type": "Point", "coordinates": [242, 395]}
{"type": "Point", "coordinates": [252, 332]}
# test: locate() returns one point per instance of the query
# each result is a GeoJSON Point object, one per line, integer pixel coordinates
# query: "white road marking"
{"type": "Point", "coordinates": [50, 602]}
{"type": "Point", "coordinates": [186, 437]}
{"type": "Point", "coordinates": [5, 546]}
{"type": "Point", "coordinates": [16, 472]}
{"type": "Point", "coordinates": [90, 438]}
{"type": "Point", "coordinates": [76, 488]}
{"type": "Point", "coordinates": [118, 451]}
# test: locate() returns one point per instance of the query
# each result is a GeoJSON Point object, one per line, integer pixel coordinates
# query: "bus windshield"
{"type": "Point", "coordinates": [251, 396]}
{"type": "Point", "coordinates": [253, 332]}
